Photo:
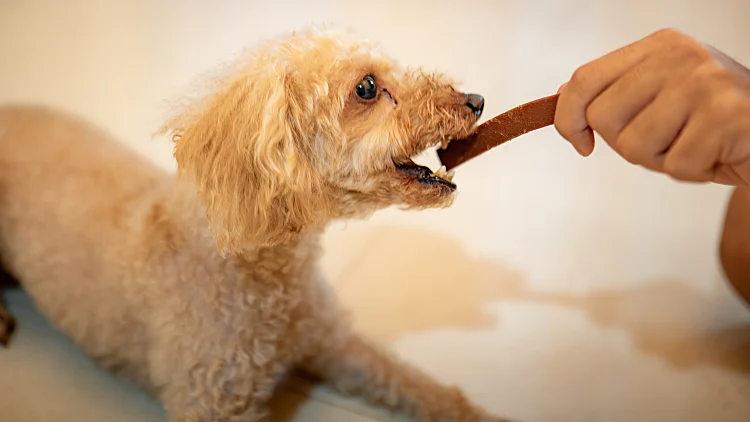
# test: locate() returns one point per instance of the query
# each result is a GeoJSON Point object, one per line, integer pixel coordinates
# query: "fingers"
{"type": "Point", "coordinates": [649, 135]}
{"type": "Point", "coordinates": [666, 102]}
{"type": "Point", "coordinates": [693, 156]}
{"type": "Point", "coordinates": [585, 85]}
{"type": "Point", "coordinates": [692, 131]}
{"type": "Point", "coordinates": [613, 109]}
{"type": "Point", "coordinates": [604, 95]}
{"type": "Point", "coordinates": [728, 175]}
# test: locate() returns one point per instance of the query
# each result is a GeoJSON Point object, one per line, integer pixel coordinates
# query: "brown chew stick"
{"type": "Point", "coordinates": [500, 129]}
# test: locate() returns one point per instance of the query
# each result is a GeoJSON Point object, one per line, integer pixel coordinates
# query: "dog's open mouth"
{"type": "Point", "coordinates": [424, 175]}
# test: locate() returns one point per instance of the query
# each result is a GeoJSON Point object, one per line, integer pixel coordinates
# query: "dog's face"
{"type": "Point", "coordinates": [387, 117]}
{"type": "Point", "coordinates": [316, 126]}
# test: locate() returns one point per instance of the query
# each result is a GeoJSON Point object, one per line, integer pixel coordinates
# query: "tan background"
{"type": "Point", "coordinates": [557, 289]}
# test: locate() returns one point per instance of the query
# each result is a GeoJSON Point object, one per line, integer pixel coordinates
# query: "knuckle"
{"type": "Point", "coordinates": [707, 80]}
{"type": "Point", "coordinates": [643, 71]}
{"type": "Point", "coordinates": [629, 147]}
{"type": "Point", "coordinates": [689, 52]}
{"type": "Point", "coordinates": [723, 106]}
{"type": "Point", "coordinates": [584, 76]}
{"type": "Point", "coordinates": [669, 35]}
{"type": "Point", "coordinates": [681, 169]}
{"type": "Point", "coordinates": [681, 45]}
{"type": "Point", "coordinates": [570, 132]}
{"type": "Point", "coordinates": [565, 124]}
{"type": "Point", "coordinates": [599, 120]}
{"type": "Point", "coordinates": [674, 168]}
{"type": "Point", "coordinates": [563, 128]}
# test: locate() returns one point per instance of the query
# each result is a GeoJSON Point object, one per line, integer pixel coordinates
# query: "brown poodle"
{"type": "Point", "coordinates": [204, 287]}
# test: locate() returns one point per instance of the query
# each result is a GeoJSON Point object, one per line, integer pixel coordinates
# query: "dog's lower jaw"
{"type": "Point", "coordinates": [402, 194]}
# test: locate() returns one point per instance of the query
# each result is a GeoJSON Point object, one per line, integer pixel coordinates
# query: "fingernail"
{"type": "Point", "coordinates": [585, 146]}
{"type": "Point", "coordinates": [578, 150]}
{"type": "Point", "coordinates": [588, 146]}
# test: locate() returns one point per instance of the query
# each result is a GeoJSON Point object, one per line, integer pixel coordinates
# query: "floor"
{"type": "Point", "coordinates": [557, 289]}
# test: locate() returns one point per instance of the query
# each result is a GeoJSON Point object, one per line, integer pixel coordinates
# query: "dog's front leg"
{"type": "Point", "coordinates": [355, 366]}
{"type": "Point", "coordinates": [220, 393]}
{"type": "Point", "coordinates": [215, 380]}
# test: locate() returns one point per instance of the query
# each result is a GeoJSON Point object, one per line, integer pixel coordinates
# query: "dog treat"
{"type": "Point", "coordinates": [500, 129]}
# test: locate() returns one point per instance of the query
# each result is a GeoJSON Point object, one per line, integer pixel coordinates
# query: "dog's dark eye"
{"type": "Point", "coordinates": [366, 89]}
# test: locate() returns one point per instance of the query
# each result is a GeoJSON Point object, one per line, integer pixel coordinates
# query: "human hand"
{"type": "Point", "coordinates": [666, 102]}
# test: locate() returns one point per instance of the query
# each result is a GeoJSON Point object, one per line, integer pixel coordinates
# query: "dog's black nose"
{"type": "Point", "coordinates": [476, 103]}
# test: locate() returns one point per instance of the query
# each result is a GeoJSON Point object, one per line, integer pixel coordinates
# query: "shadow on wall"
{"type": "Point", "coordinates": [412, 281]}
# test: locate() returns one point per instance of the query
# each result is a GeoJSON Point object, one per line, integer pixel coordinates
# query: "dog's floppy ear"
{"type": "Point", "coordinates": [248, 149]}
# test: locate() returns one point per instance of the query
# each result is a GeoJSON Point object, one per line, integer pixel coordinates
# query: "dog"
{"type": "Point", "coordinates": [203, 285]}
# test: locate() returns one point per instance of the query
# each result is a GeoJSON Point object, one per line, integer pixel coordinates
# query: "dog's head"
{"type": "Point", "coordinates": [315, 126]}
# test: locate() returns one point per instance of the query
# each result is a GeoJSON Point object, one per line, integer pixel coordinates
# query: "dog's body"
{"type": "Point", "coordinates": [123, 257]}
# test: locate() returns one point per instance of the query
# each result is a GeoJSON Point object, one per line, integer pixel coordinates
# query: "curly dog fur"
{"type": "Point", "coordinates": [204, 286]}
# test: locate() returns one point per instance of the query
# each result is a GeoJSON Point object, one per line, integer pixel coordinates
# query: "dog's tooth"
{"type": "Point", "coordinates": [445, 143]}
{"type": "Point", "coordinates": [449, 175]}
{"type": "Point", "coordinates": [441, 172]}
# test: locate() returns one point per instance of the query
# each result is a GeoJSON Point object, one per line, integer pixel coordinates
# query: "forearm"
{"type": "Point", "coordinates": [735, 242]}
